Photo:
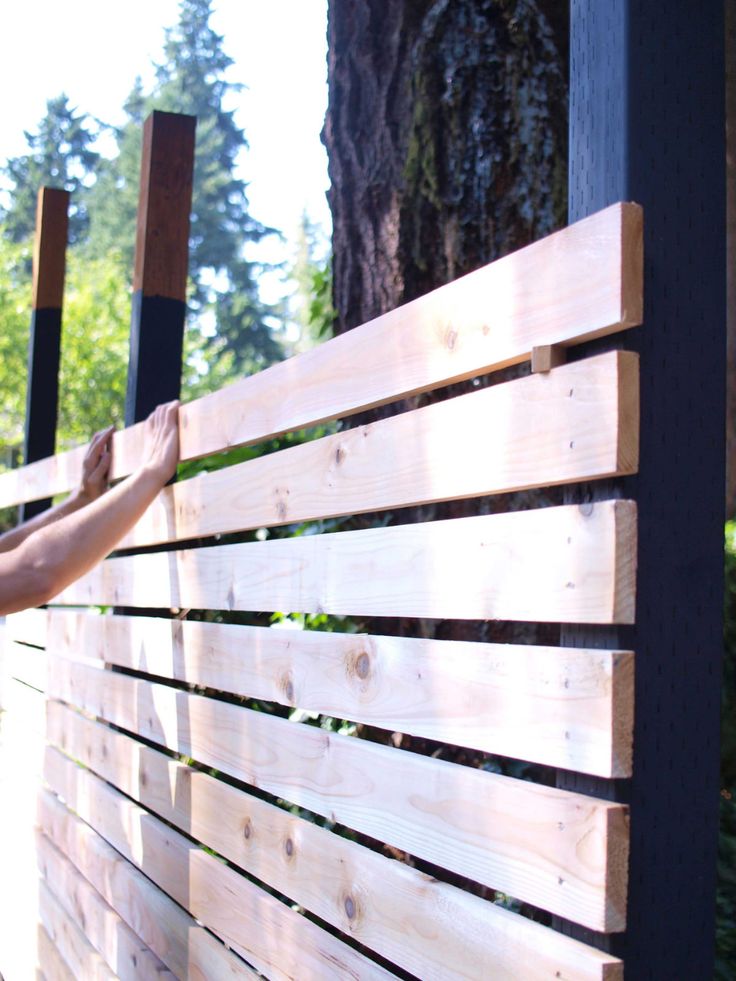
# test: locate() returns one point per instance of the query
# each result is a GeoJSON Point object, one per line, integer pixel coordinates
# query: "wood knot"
{"type": "Point", "coordinates": [287, 686]}
{"type": "Point", "coordinates": [451, 339]}
{"type": "Point", "coordinates": [339, 455]}
{"type": "Point", "coordinates": [350, 909]}
{"type": "Point", "coordinates": [359, 666]}
{"type": "Point", "coordinates": [281, 509]}
{"type": "Point", "coordinates": [247, 829]}
{"type": "Point", "coordinates": [289, 847]}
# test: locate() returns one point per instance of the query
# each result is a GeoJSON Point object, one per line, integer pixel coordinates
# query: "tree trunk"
{"type": "Point", "coordinates": [447, 140]}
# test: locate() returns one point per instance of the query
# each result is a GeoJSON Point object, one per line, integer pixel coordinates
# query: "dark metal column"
{"type": "Point", "coordinates": [647, 124]}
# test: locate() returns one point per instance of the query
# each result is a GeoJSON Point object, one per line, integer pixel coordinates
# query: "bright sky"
{"type": "Point", "coordinates": [92, 50]}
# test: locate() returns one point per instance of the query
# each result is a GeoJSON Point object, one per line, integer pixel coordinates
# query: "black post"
{"type": "Point", "coordinates": [161, 259]}
{"type": "Point", "coordinates": [647, 125]}
{"type": "Point", "coordinates": [44, 348]}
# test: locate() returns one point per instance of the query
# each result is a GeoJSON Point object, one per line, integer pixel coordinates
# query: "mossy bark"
{"type": "Point", "coordinates": [447, 139]}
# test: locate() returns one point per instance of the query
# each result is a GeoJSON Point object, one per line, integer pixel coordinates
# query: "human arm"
{"type": "Point", "coordinates": [95, 469]}
{"type": "Point", "coordinates": [62, 551]}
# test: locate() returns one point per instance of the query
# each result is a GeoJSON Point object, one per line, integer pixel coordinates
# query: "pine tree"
{"type": "Point", "coordinates": [60, 155]}
{"type": "Point", "coordinates": [191, 79]}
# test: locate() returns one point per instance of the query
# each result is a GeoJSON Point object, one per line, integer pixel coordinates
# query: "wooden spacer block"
{"type": "Point", "coordinates": [548, 356]}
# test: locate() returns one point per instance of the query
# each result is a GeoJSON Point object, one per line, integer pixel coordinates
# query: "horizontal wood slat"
{"type": "Point", "coordinates": [52, 967]}
{"type": "Point", "coordinates": [276, 939]}
{"type": "Point", "coordinates": [124, 953]}
{"type": "Point", "coordinates": [186, 948]}
{"type": "Point", "coordinates": [565, 564]}
{"type": "Point", "coordinates": [580, 422]}
{"type": "Point", "coordinates": [28, 627]}
{"type": "Point", "coordinates": [391, 908]}
{"type": "Point", "coordinates": [25, 707]}
{"type": "Point", "coordinates": [516, 947]}
{"type": "Point", "coordinates": [559, 706]}
{"type": "Point", "coordinates": [582, 282]}
{"type": "Point", "coordinates": [76, 950]}
{"type": "Point", "coordinates": [558, 850]}
{"type": "Point", "coordinates": [26, 664]}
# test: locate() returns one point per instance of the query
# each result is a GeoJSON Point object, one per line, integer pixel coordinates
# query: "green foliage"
{"type": "Point", "coordinates": [94, 351]}
{"type": "Point", "coordinates": [15, 316]}
{"type": "Point", "coordinates": [224, 301]}
{"type": "Point", "coordinates": [60, 155]}
{"type": "Point", "coordinates": [94, 358]}
{"type": "Point", "coordinates": [310, 312]}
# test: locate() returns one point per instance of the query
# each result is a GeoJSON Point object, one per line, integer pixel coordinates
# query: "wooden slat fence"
{"type": "Point", "coordinates": [189, 827]}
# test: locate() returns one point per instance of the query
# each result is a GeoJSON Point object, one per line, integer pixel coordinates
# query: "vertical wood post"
{"type": "Point", "coordinates": [161, 259]}
{"type": "Point", "coordinates": [44, 349]}
{"type": "Point", "coordinates": [647, 125]}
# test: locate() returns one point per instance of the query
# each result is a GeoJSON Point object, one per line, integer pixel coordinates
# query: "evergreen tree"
{"type": "Point", "coordinates": [191, 79]}
{"type": "Point", "coordinates": [309, 313]}
{"type": "Point", "coordinates": [60, 155]}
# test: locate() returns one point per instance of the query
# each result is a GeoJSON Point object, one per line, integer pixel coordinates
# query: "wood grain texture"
{"type": "Point", "coordinates": [51, 965]}
{"type": "Point", "coordinates": [559, 706]}
{"type": "Point", "coordinates": [548, 847]}
{"type": "Point", "coordinates": [49, 248]}
{"type": "Point", "coordinates": [580, 422]}
{"type": "Point", "coordinates": [581, 282]}
{"type": "Point", "coordinates": [186, 948]}
{"type": "Point", "coordinates": [124, 953]}
{"type": "Point", "coordinates": [77, 952]}
{"type": "Point", "coordinates": [28, 627]}
{"type": "Point", "coordinates": [511, 942]}
{"type": "Point", "coordinates": [276, 939]}
{"type": "Point", "coordinates": [427, 927]}
{"type": "Point", "coordinates": [26, 664]}
{"type": "Point", "coordinates": [567, 564]}
{"type": "Point", "coordinates": [162, 229]}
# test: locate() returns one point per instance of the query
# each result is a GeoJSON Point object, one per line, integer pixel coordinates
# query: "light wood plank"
{"type": "Point", "coordinates": [27, 627]}
{"type": "Point", "coordinates": [26, 664]}
{"type": "Point", "coordinates": [562, 851]}
{"type": "Point", "coordinates": [186, 948]}
{"type": "Point", "coordinates": [516, 948]}
{"type": "Point", "coordinates": [565, 564]}
{"type": "Point", "coordinates": [403, 915]}
{"type": "Point", "coordinates": [124, 953]}
{"type": "Point", "coordinates": [53, 967]}
{"type": "Point", "coordinates": [544, 704]}
{"type": "Point", "coordinates": [76, 950]}
{"type": "Point", "coordinates": [24, 708]}
{"type": "Point", "coordinates": [580, 422]}
{"type": "Point", "coordinates": [581, 282]}
{"type": "Point", "coordinates": [279, 941]}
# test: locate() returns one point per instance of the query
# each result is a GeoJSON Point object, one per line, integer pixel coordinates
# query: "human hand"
{"type": "Point", "coordinates": [96, 466]}
{"type": "Point", "coordinates": [161, 441]}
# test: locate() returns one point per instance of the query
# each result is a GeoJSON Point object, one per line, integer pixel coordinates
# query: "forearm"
{"type": "Point", "coordinates": [68, 547]}
{"type": "Point", "coordinates": [16, 536]}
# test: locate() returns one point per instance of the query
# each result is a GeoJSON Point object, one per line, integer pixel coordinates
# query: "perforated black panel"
{"type": "Point", "coordinates": [647, 124]}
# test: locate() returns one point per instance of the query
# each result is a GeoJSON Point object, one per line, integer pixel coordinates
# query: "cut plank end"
{"type": "Point", "coordinates": [627, 452]}
{"type": "Point", "coordinates": [624, 596]}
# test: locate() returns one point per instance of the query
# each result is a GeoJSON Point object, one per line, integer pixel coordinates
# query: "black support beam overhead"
{"type": "Point", "coordinates": [44, 349]}
{"type": "Point", "coordinates": [647, 125]}
{"type": "Point", "coordinates": [161, 261]}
